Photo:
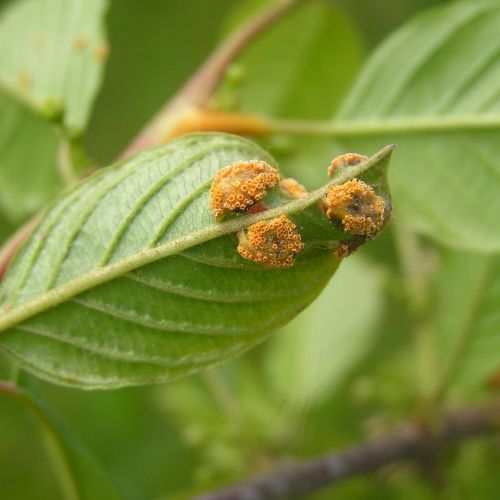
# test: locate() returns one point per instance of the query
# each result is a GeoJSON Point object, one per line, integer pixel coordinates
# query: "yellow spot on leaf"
{"type": "Point", "coordinates": [100, 52]}
{"type": "Point", "coordinates": [25, 80]}
{"type": "Point", "coordinates": [80, 42]}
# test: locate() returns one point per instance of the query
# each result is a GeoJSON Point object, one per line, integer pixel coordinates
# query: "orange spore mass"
{"type": "Point", "coordinates": [345, 160]}
{"type": "Point", "coordinates": [356, 205]}
{"type": "Point", "coordinates": [292, 188]}
{"type": "Point", "coordinates": [240, 185]}
{"type": "Point", "coordinates": [274, 243]}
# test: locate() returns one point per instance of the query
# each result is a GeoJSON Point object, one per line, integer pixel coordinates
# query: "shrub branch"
{"type": "Point", "coordinates": [407, 442]}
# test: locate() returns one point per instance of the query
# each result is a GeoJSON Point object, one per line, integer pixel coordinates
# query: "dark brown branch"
{"type": "Point", "coordinates": [407, 442]}
{"type": "Point", "coordinates": [198, 91]}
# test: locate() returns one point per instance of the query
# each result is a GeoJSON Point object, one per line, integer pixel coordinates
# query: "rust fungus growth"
{"type": "Point", "coordinates": [357, 207]}
{"type": "Point", "coordinates": [240, 185]}
{"type": "Point", "coordinates": [292, 188]}
{"type": "Point", "coordinates": [273, 243]}
{"type": "Point", "coordinates": [346, 160]}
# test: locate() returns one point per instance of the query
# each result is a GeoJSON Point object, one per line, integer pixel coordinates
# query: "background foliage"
{"type": "Point", "coordinates": [414, 314]}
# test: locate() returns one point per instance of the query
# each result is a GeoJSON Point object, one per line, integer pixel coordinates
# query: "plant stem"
{"type": "Point", "coordinates": [198, 91]}
{"type": "Point", "coordinates": [408, 441]}
{"type": "Point", "coordinates": [15, 241]}
{"type": "Point", "coordinates": [376, 127]}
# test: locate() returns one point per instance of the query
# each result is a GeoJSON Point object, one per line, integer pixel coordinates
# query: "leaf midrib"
{"type": "Point", "coordinates": [396, 126]}
{"type": "Point", "coordinates": [98, 276]}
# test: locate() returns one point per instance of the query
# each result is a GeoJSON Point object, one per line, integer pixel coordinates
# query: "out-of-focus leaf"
{"type": "Point", "coordinates": [28, 164]}
{"type": "Point", "coordinates": [129, 279]}
{"type": "Point", "coordinates": [433, 89]}
{"type": "Point", "coordinates": [466, 323]}
{"type": "Point", "coordinates": [80, 476]}
{"type": "Point", "coordinates": [52, 56]}
{"type": "Point", "coordinates": [319, 348]}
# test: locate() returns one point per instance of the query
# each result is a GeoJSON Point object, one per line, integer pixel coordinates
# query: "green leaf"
{"type": "Point", "coordinates": [80, 475]}
{"type": "Point", "coordinates": [51, 60]}
{"type": "Point", "coordinates": [432, 88]}
{"type": "Point", "coordinates": [28, 174]}
{"type": "Point", "coordinates": [318, 349]}
{"type": "Point", "coordinates": [52, 56]}
{"type": "Point", "coordinates": [129, 279]}
{"type": "Point", "coordinates": [466, 320]}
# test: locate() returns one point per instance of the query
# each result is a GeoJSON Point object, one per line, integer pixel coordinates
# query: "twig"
{"type": "Point", "coordinates": [200, 88]}
{"type": "Point", "coordinates": [406, 442]}
{"type": "Point", "coordinates": [16, 240]}
{"type": "Point", "coordinates": [193, 96]}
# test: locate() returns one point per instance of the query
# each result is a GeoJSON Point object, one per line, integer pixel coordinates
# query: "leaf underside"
{"type": "Point", "coordinates": [129, 279]}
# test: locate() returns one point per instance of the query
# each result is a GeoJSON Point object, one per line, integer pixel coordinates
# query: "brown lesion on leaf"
{"type": "Point", "coordinates": [293, 189]}
{"type": "Point", "coordinates": [345, 160]}
{"type": "Point", "coordinates": [240, 185]}
{"type": "Point", "coordinates": [273, 243]}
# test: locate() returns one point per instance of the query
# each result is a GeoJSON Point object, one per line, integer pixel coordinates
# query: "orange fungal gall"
{"type": "Point", "coordinates": [240, 185]}
{"type": "Point", "coordinates": [348, 159]}
{"type": "Point", "coordinates": [292, 188]}
{"type": "Point", "coordinates": [357, 207]}
{"type": "Point", "coordinates": [273, 243]}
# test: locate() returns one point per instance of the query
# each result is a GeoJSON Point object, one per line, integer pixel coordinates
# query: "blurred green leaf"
{"type": "Point", "coordinates": [52, 56]}
{"type": "Point", "coordinates": [466, 321]}
{"type": "Point", "coordinates": [51, 60]}
{"type": "Point", "coordinates": [129, 279]}
{"type": "Point", "coordinates": [28, 164]}
{"type": "Point", "coordinates": [319, 348]}
{"type": "Point", "coordinates": [432, 88]}
{"type": "Point", "coordinates": [80, 476]}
